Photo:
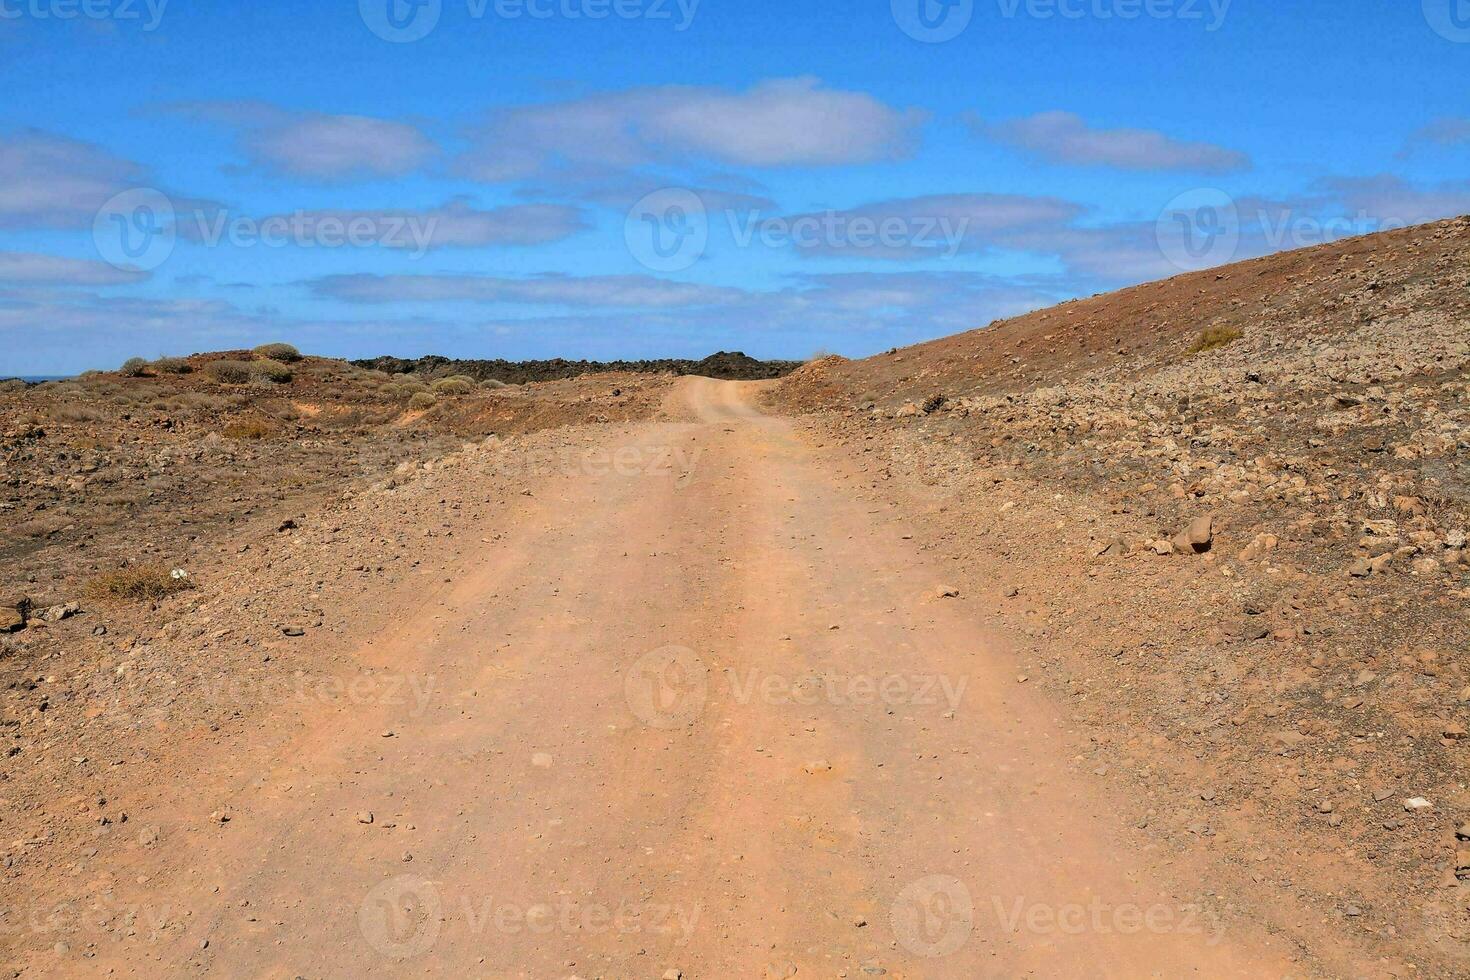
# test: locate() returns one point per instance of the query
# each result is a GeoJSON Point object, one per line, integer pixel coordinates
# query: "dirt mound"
{"type": "Point", "coordinates": [1230, 512]}
{"type": "Point", "coordinates": [724, 365]}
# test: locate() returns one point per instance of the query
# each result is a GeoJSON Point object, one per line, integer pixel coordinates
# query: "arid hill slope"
{"type": "Point", "coordinates": [1226, 516]}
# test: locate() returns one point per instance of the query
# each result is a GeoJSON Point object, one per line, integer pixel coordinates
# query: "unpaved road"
{"type": "Point", "coordinates": [699, 712]}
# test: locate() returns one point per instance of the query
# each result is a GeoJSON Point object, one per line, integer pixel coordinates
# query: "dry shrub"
{"type": "Point", "coordinates": [172, 365]}
{"type": "Point", "coordinates": [422, 399]}
{"type": "Point", "coordinates": [137, 583]}
{"type": "Point", "coordinates": [78, 413]}
{"type": "Point", "coordinates": [453, 386]}
{"type": "Point", "coordinates": [493, 384]}
{"type": "Point", "coordinates": [272, 371]}
{"type": "Point", "coordinates": [133, 367]}
{"type": "Point", "coordinates": [278, 352]}
{"type": "Point", "coordinates": [1216, 337]}
{"type": "Point", "coordinates": [229, 372]}
{"type": "Point", "coordinates": [248, 429]}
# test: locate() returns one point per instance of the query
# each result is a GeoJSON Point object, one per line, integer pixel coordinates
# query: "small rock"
{"type": "Point", "coordinates": [1196, 539]}
{"type": "Point", "coordinates": [293, 631]}
{"type": "Point", "coordinates": [1417, 803]}
{"type": "Point", "coordinates": [364, 817]}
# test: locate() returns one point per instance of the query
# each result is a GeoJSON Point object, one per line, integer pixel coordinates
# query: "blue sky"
{"type": "Point", "coordinates": [632, 178]}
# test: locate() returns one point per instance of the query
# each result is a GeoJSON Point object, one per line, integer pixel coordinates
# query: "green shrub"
{"type": "Point", "coordinates": [411, 388]}
{"type": "Point", "coordinates": [272, 371]}
{"type": "Point", "coordinates": [229, 372]}
{"type": "Point", "coordinates": [278, 352]}
{"type": "Point", "coordinates": [172, 365]}
{"type": "Point", "coordinates": [133, 367]}
{"type": "Point", "coordinates": [453, 386]}
{"type": "Point", "coordinates": [422, 399]}
{"type": "Point", "coordinates": [1215, 338]}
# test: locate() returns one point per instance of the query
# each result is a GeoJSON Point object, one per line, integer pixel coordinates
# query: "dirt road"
{"type": "Point", "coordinates": [698, 710]}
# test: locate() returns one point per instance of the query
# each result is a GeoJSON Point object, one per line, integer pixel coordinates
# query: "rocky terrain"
{"type": "Point", "coordinates": [278, 630]}
{"type": "Point", "coordinates": [1225, 516]}
{"type": "Point", "coordinates": [725, 366]}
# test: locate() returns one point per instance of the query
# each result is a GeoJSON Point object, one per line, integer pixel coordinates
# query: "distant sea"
{"type": "Point", "coordinates": [44, 377]}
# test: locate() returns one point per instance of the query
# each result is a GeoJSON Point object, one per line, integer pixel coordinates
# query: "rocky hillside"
{"type": "Point", "coordinates": [1226, 516]}
{"type": "Point", "coordinates": [725, 366]}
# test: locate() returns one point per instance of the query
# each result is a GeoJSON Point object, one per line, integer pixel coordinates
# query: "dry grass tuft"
{"type": "Point", "coordinates": [248, 429]}
{"type": "Point", "coordinates": [1215, 338]}
{"type": "Point", "coordinates": [137, 583]}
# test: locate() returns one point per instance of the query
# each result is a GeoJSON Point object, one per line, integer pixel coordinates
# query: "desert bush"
{"type": "Point", "coordinates": [272, 371]}
{"type": "Point", "coordinates": [203, 401]}
{"type": "Point", "coordinates": [1215, 338]}
{"type": "Point", "coordinates": [13, 385]}
{"type": "Point", "coordinates": [412, 387]}
{"type": "Point", "coordinates": [422, 399]}
{"type": "Point", "coordinates": [248, 429]}
{"type": "Point", "coordinates": [138, 582]}
{"type": "Point", "coordinates": [78, 413]}
{"type": "Point", "coordinates": [278, 352]}
{"type": "Point", "coordinates": [452, 386]}
{"type": "Point", "coordinates": [172, 365]}
{"type": "Point", "coordinates": [493, 383]}
{"type": "Point", "coordinates": [133, 367]}
{"type": "Point", "coordinates": [229, 372]}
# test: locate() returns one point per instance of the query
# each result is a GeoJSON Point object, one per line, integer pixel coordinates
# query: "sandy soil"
{"type": "Point", "coordinates": [690, 707]}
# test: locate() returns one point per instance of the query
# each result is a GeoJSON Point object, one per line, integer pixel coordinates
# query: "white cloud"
{"type": "Point", "coordinates": [936, 225]}
{"type": "Point", "coordinates": [561, 290]}
{"type": "Point", "coordinates": [1064, 137]}
{"type": "Point", "coordinates": [455, 224]}
{"type": "Point", "coordinates": [784, 122]}
{"type": "Point", "coordinates": [1445, 131]}
{"type": "Point", "coordinates": [49, 181]}
{"type": "Point", "coordinates": [28, 268]}
{"type": "Point", "coordinates": [317, 145]}
{"type": "Point", "coordinates": [1390, 201]}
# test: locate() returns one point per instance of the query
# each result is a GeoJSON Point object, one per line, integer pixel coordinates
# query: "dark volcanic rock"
{"type": "Point", "coordinates": [725, 365]}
